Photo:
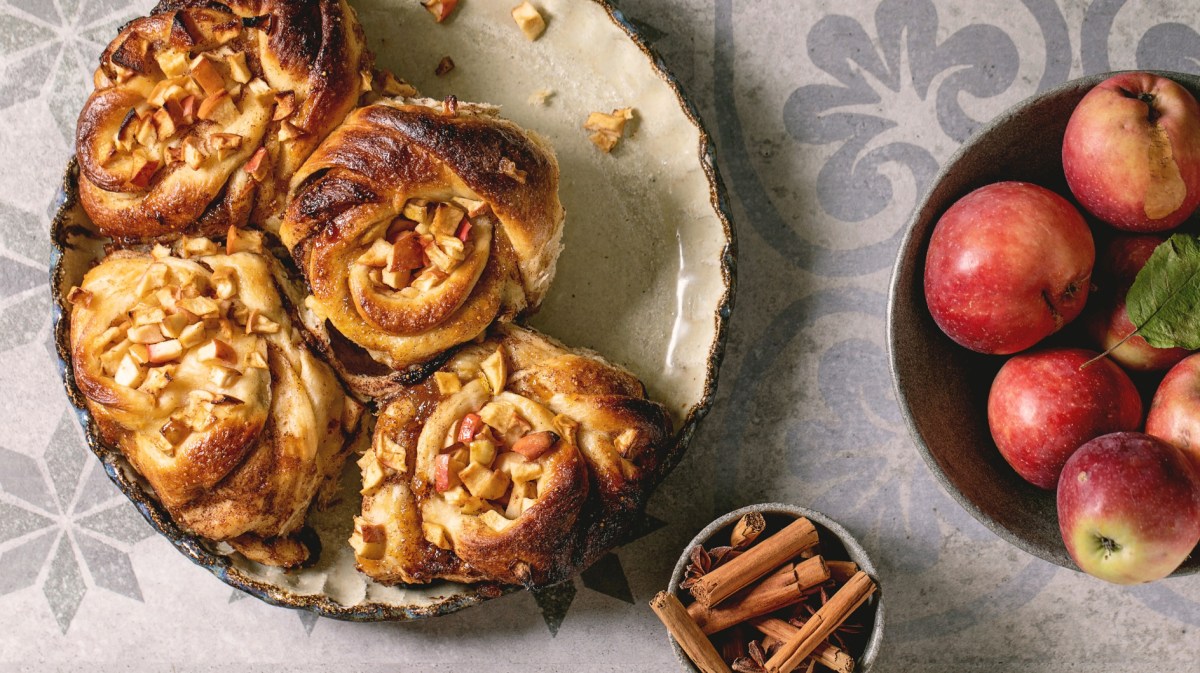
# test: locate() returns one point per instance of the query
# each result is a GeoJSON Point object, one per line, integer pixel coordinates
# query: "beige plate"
{"type": "Point", "coordinates": [646, 277]}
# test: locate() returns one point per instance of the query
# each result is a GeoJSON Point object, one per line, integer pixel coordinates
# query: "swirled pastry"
{"type": "Point", "coordinates": [519, 461]}
{"type": "Point", "coordinates": [204, 110]}
{"type": "Point", "coordinates": [417, 225]}
{"type": "Point", "coordinates": [192, 367]}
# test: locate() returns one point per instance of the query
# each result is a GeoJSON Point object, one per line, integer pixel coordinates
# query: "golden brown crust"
{"type": "Point", "coordinates": [609, 442]}
{"type": "Point", "coordinates": [292, 70]}
{"type": "Point", "coordinates": [363, 182]}
{"type": "Point", "coordinates": [218, 405]}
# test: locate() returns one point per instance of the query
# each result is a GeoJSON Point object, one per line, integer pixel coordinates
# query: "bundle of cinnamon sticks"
{"type": "Point", "coordinates": [798, 600]}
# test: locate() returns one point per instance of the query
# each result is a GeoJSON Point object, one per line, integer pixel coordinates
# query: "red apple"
{"type": "Point", "coordinates": [1044, 405]}
{"type": "Point", "coordinates": [1008, 265]}
{"type": "Point", "coordinates": [1175, 411]}
{"type": "Point", "coordinates": [1131, 152]}
{"type": "Point", "coordinates": [1129, 507]}
{"type": "Point", "coordinates": [1107, 319]}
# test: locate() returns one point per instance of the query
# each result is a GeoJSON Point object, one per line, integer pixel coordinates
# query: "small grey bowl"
{"type": "Point", "coordinates": [778, 515]}
{"type": "Point", "coordinates": [942, 388]}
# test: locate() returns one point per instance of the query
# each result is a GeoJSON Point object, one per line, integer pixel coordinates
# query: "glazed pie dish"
{"type": "Point", "coordinates": [294, 262]}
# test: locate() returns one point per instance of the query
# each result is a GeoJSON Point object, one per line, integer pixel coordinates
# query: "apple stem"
{"type": "Point", "coordinates": [1109, 351]}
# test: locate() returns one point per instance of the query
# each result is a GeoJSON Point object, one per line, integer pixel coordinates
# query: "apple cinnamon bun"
{"type": "Point", "coordinates": [417, 225]}
{"type": "Point", "coordinates": [192, 367]}
{"type": "Point", "coordinates": [203, 110]}
{"type": "Point", "coordinates": [519, 461]}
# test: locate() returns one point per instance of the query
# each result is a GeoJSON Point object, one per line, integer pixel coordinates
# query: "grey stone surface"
{"type": "Point", "coordinates": [831, 118]}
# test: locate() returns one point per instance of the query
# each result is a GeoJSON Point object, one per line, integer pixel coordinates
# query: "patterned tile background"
{"type": "Point", "coordinates": [831, 118]}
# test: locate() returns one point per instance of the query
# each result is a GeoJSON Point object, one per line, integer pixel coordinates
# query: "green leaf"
{"type": "Point", "coordinates": [1164, 301]}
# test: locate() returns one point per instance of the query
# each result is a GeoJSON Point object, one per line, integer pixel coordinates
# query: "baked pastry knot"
{"type": "Point", "coordinates": [519, 461]}
{"type": "Point", "coordinates": [204, 110]}
{"type": "Point", "coordinates": [191, 366]}
{"type": "Point", "coordinates": [418, 224]}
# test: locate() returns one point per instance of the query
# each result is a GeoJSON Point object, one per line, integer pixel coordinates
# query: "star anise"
{"type": "Point", "coordinates": [704, 561]}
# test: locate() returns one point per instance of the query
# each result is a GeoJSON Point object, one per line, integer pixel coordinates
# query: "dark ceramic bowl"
{"type": "Point", "coordinates": [942, 388]}
{"type": "Point", "coordinates": [836, 543]}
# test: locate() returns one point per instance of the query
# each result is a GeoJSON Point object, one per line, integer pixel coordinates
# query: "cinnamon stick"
{"type": "Point", "coordinates": [780, 589]}
{"type": "Point", "coordinates": [842, 571]}
{"type": "Point", "coordinates": [826, 620]}
{"type": "Point", "coordinates": [685, 632]}
{"type": "Point", "coordinates": [747, 530]}
{"type": "Point", "coordinates": [828, 655]}
{"type": "Point", "coordinates": [755, 562]}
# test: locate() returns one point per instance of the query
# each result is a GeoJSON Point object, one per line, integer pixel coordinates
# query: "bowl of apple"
{"type": "Point", "coordinates": [1044, 319]}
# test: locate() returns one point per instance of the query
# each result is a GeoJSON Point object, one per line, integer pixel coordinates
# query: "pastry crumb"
{"type": "Point", "coordinates": [444, 66]}
{"type": "Point", "coordinates": [541, 97]}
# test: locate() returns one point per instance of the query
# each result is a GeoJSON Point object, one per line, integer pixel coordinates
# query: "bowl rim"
{"type": "Point", "coordinates": [855, 550]}
{"type": "Point", "coordinates": [468, 595]}
{"type": "Point", "coordinates": [910, 240]}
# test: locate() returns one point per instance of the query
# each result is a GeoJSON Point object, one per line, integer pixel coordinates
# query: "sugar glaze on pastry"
{"type": "Point", "coordinates": [519, 461]}
{"type": "Point", "coordinates": [191, 365]}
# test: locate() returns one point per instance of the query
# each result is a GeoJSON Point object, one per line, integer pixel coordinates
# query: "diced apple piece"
{"type": "Point", "coordinates": [222, 377]}
{"type": "Point", "coordinates": [218, 107]}
{"type": "Point", "coordinates": [448, 383]}
{"type": "Point", "coordinates": [157, 379]}
{"type": "Point", "coordinates": [145, 334]}
{"type": "Point", "coordinates": [285, 105]}
{"type": "Point", "coordinates": [436, 535]}
{"type": "Point", "coordinates": [165, 351]}
{"type": "Point", "coordinates": [444, 478]}
{"type": "Point", "coordinates": [607, 129]}
{"type": "Point", "coordinates": [372, 473]}
{"type": "Point", "coordinates": [483, 451]}
{"type": "Point", "coordinates": [495, 520]}
{"type": "Point", "coordinates": [440, 9]}
{"type": "Point", "coordinates": [206, 74]}
{"type": "Point", "coordinates": [376, 256]}
{"type": "Point", "coordinates": [468, 427]}
{"type": "Point", "coordinates": [224, 282]}
{"type": "Point", "coordinates": [143, 169]}
{"type": "Point", "coordinates": [374, 541]}
{"type": "Point", "coordinates": [238, 69]}
{"type": "Point", "coordinates": [225, 144]}
{"type": "Point", "coordinates": [139, 352]}
{"type": "Point", "coordinates": [446, 219]}
{"type": "Point", "coordinates": [261, 324]}
{"type": "Point", "coordinates": [147, 133]}
{"type": "Point", "coordinates": [257, 360]}
{"type": "Point", "coordinates": [483, 482]}
{"type": "Point", "coordinates": [533, 445]}
{"type": "Point", "coordinates": [495, 370]}
{"type": "Point", "coordinates": [525, 470]}
{"type": "Point", "coordinates": [257, 166]}
{"type": "Point", "coordinates": [193, 153]}
{"type": "Point", "coordinates": [529, 20]}
{"type": "Point", "coordinates": [201, 306]}
{"type": "Point", "coordinates": [129, 374]}
{"type": "Point", "coordinates": [143, 314]}
{"type": "Point", "coordinates": [173, 325]}
{"type": "Point", "coordinates": [164, 124]}
{"type": "Point", "coordinates": [188, 107]}
{"type": "Point", "coordinates": [289, 131]}
{"type": "Point", "coordinates": [192, 335]}
{"type": "Point", "coordinates": [216, 352]}
{"type": "Point", "coordinates": [406, 253]}
{"type": "Point", "coordinates": [499, 415]}
{"type": "Point", "coordinates": [173, 63]}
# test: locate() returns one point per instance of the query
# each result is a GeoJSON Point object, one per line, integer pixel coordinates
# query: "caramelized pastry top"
{"type": "Point", "coordinates": [418, 225]}
{"type": "Point", "coordinates": [192, 367]}
{"type": "Point", "coordinates": [203, 111]}
{"type": "Point", "coordinates": [519, 462]}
